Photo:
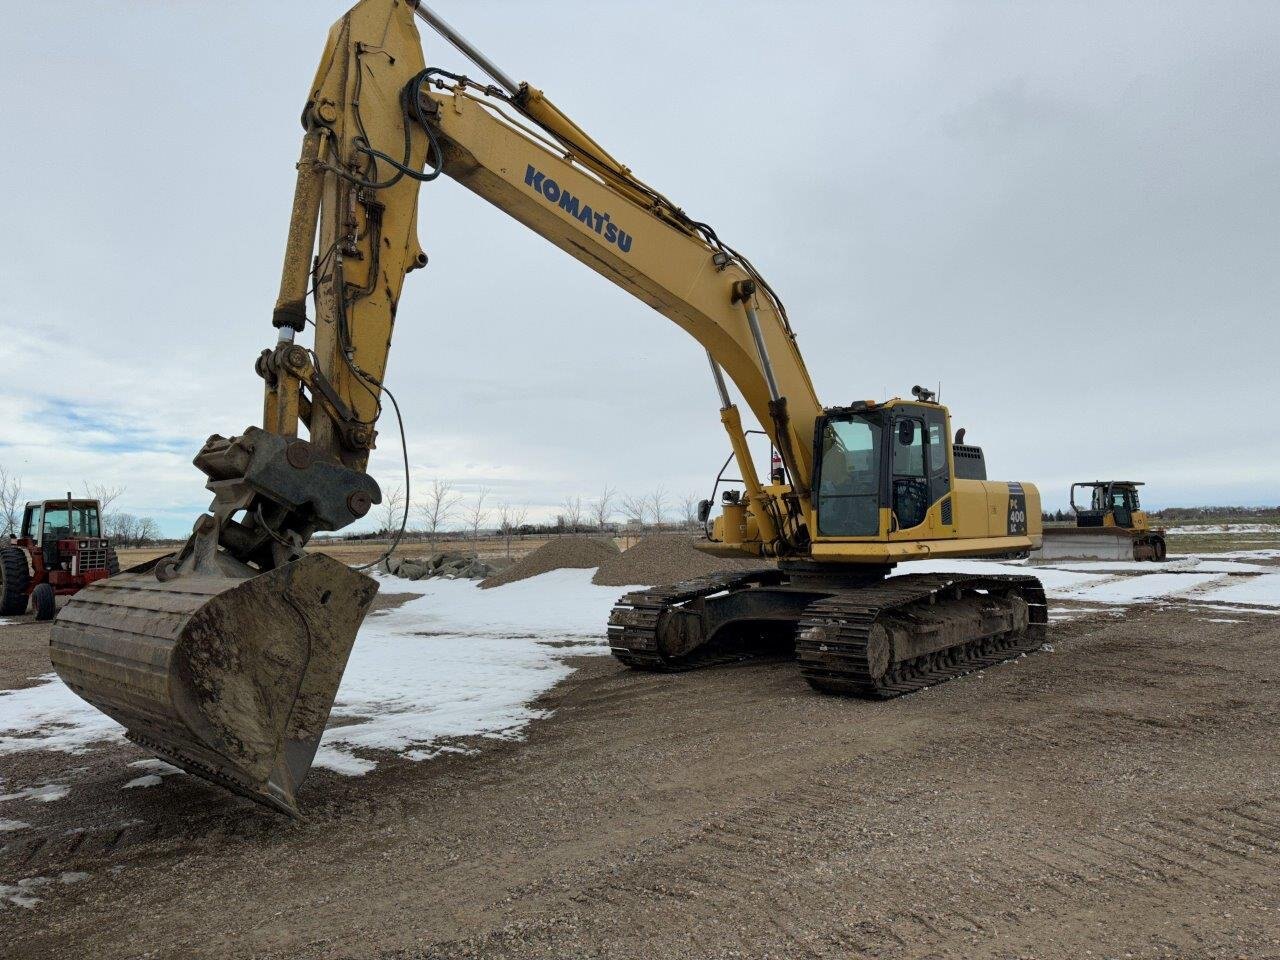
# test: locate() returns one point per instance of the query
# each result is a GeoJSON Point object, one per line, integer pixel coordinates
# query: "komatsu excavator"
{"type": "Point", "coordinates": [225, 657]}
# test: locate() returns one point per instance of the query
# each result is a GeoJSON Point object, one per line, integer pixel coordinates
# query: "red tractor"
{"type": "Point", "coordinates": [59, 550]}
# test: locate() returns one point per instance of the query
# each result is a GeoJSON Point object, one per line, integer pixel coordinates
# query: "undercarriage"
{"type": "Point", "coordinates": [857, 631]}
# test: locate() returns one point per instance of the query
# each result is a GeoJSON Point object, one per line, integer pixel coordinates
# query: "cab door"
{"type": "Point", "coordinates": [32, 523]}
{"type": "Point", "coordinates": [1121, 508]}
{"type": "Point", "coordinates": [909, 474]}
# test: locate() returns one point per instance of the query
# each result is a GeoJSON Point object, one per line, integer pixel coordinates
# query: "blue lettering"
{"type": "Point", "coordinates": [574, 207]}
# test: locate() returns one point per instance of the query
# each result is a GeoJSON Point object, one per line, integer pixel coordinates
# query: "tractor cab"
{"type": "Point", "coordinates": [66, 533]}
{"type": "Point", "coordinates": [1112, 503]}
{"type": "Point", "coordinates": [58, 551]}
{"type": "Point", "coordinates": [54, 520]}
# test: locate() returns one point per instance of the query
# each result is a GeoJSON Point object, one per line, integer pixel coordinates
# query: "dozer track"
{"type": "Point", "coordinates": [879, 639]}
{"type": "Point", "coordinates": [914, 631]}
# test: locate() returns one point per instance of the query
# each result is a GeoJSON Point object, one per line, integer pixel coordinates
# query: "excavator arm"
{"type": "Point", "coordinates": [374, 117]}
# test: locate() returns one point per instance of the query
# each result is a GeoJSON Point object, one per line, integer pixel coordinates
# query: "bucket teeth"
{"type": "Point", "coordinates": [230, 679]}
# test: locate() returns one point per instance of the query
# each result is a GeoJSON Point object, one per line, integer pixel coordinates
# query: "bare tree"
{"type": "Point", "coordinates": [658, 506]}
{"type": "Point", "coordinates": [477, 513]}
{"type": "Point", "coordinates": [438, 506]}
{"type": "Point", "coordinates": [689, 508]}
{"type": "Point", "coordinates": [602, 507]}
{"type": "Point", "coordinates": [573, 513]}
{"type": "Point", "coordinates": [390, 513]}
{"type": "Point", "coordinates": [104, 494]}
{"type": "Point", "coordinates": [10, 503]}
{"type": "Point", "coordinates": [121, 527]}
{"type": "Point", "coordinates": [635, 508]}
{"type": "Point", "coordinates": [510, 520]}
{"type": "Point", "coordinates": [147, 531]}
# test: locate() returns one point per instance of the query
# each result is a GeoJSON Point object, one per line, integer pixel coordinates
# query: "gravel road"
{"type": "Point", "coordinates": [1117, 795]}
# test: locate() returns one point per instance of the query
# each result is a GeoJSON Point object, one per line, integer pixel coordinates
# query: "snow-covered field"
{"type": "Point", "coordinates": [1200, 529]}
{"type": "Point", "coordinates": [457, 662]}
{"type": "Point", "coordinates": [461, 662]}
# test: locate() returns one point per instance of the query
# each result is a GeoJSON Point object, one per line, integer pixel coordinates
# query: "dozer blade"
{"type": "Point", "coordinates": [231, 679]}
{"type": "Point", "coordinates": [1087, 543]}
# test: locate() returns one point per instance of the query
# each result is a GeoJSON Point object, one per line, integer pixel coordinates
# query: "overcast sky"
{"type": "Point", "coordinates": [1069, 214]}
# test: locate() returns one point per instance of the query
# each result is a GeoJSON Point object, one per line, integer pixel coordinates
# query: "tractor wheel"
{"type": "Point", "coordinates": [113, 562]}
{"type": "Point", "coordinates": [13, 581]}
{"type": "Point", "coordinates": [1161, 551]}
{"type": "Point", "coordinates": [42, 601]}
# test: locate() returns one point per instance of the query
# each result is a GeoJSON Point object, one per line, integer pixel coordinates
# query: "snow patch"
{"type": "Point", "coordinates": [1192, 564]}
{"type": "Point", "coordinates": [1192, 529]}
{"type": "Point", "coordinates": [158, 767]}
{"type": "Point", "coordinates": [150, 780]}
{"type": "Point", "coordinates": [461, 662]}
{"type": "Point", "coordinates": [49, 716]}
{"type": "Point", "coordinates": [19, 894]}
{"type": "Point", "coordinates": [8, 825]}
{"type": "Point", "coordinates": [1130, 590]}
{"type": "Point", "coordinates": [1262, 591]}
{"type": "Point", "coordinates": [43, 794]}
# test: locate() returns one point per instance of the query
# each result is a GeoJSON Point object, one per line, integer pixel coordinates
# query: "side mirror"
{"type": "Point", "coordinates": [906, 432]}
{"type": "Point", "coordinates": [704, 510]}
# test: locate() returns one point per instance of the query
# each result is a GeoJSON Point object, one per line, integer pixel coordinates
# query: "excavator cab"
{"type": "Point", "coordinates": [891, 472]}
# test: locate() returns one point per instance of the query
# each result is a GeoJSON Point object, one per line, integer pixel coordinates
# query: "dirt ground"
{"type": "Point", "coordinates": [1114, 797]}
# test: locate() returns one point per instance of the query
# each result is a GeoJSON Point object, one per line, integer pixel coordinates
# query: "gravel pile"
{"type": "Point", "coordinates": [577, 553]}
{"type": "Point", "coordinates": [665, 559]}
{"type": "Point", "coordinates": [448, 566]}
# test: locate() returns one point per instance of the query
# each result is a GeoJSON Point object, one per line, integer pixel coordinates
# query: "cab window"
{"type": "Point", "coordinates": [939, 471]}
{"type": "Point", "coordinates": [849, 479]}
{"type": "Point", "coordinates": [910, 485]}
{"type": "Point", "coordinates": [31, 522]}
{"type": "Point", "coordinates": [78, 520]}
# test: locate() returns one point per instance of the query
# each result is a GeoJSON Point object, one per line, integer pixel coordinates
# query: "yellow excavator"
{"type": "Point", "coordinates": [225, 658]}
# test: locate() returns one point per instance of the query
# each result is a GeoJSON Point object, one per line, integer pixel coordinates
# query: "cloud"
{"type": "Point", "coordinates": [1065, 214]}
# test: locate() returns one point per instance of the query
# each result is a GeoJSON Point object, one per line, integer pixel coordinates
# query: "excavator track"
{"type": "Point", "coordinates": [840, 642]}
{"type": "Point", "coordinates": [636, 620]}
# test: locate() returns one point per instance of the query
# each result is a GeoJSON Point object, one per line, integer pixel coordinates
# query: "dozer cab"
{"type": "Point", "coordinates": [1113, 526]}
{"type": "Point", "coordinates": [59, 550]}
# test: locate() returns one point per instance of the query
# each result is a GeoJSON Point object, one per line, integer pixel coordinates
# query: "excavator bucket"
{"type": "Point", "coordinates": [230, 678]}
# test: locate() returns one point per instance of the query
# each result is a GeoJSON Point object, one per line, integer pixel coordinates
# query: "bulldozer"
{"type": "Point", "coordinates": [225, 657]}
{"type": "Point", "coordinates": [1112, 527]}
{"type": "Point", "coordinates": [59, 550]}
